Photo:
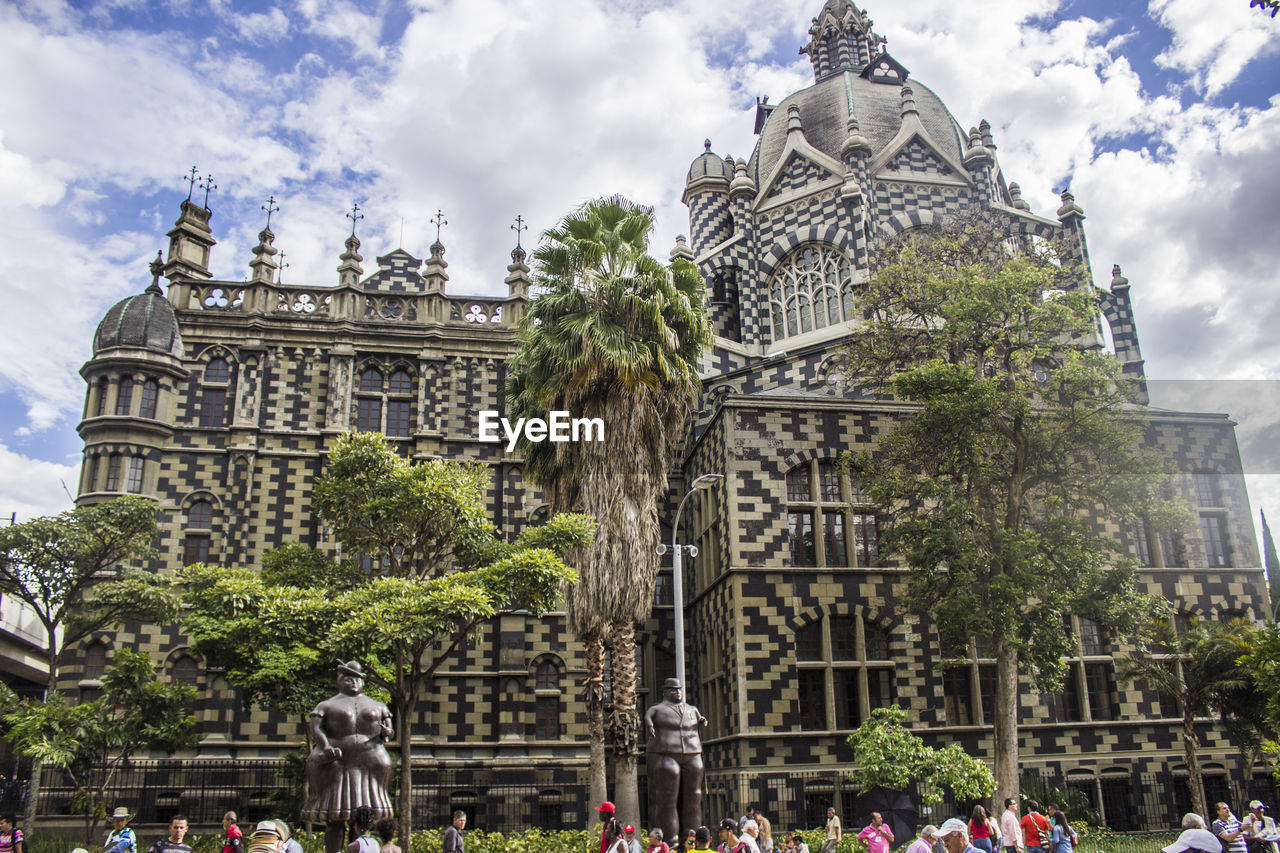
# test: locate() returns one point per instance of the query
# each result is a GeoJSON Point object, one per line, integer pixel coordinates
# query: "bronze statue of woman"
{"type": "Point", "coordinates": [349, 766]}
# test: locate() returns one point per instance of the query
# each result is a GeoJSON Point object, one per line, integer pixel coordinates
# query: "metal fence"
{"type": "Point", "coordinates": [155, 790]}
{"type": "Point", "coordinates": [506, 799]}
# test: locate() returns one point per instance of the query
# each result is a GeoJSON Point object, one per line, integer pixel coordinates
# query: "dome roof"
{"type": "Point", "coordinates": [143, 321]}
{"type": "Point", "coordinates": [708, 165]}
{"type": "Point", "coordinates": [825, 109]}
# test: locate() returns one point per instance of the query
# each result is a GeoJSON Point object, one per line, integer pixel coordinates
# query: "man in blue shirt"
{"type": "Point", "coordinates": [1228, 830]}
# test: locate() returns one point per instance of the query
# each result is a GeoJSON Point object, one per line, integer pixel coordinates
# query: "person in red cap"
{"type": "Point", "coordinates": [609, 832]}
{"type": "Point", "coordinates": [633, 843]}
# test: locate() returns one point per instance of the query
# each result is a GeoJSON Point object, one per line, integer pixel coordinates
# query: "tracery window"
{"type": "Point", "coordinates": [546, 710]}
{"type": "Point", "coordinates": [811, 289]}
{"type": "Point", "coordinates": [830, 519]}
{"type": "Point", "coordinates": [113, 473]}
{"type": "Point", "coordinates": [196, 545]}
{"type": "Point", "coordinates": [843, 672]}
{"type": "Point", "coordinates": [392, 396]}
{"type": "Point", "coordinates": [133, 482]}
{"type": "Point", "coordinates": [150, 394]}
{"type": "Point", "coordinates": [213, 402]}
{"type": "Point", "coordinates": [124, 397]}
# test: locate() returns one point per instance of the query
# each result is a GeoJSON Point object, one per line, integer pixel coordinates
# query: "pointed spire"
{"type": "Point", "coordinates": [681, 249]}
{"type": "Point", "coordinates": [984, 130]}
{"type": "Point", "coordinates": [1118, 281]}
{"type": "Point", "coordinates": [742, 182]}
{"type": "Point", "coordinates": [1015, 194]}
{"type": "Point", "coordinates": [156, 267]}
{"type": "Point", "coordinates": [908, 102]}
{"type": "Point", "coordinates": [1069, 209]}
{"type": "Point", "coordinates": [263, 266]}
{"type": "Point", "coordinates": [794, 124]}
{"type": "Point", "coordinates": [854, 142]}
{"type": "Point", "coordinates": [434, 273]}
{"type": "Point", "coordinates": [1272, 564]}
{"type": "Point", "coordinates": [349, 270]}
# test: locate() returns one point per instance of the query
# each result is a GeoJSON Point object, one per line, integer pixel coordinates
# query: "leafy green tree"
{"type": "Point", "coordinates": [441, 571]}
{"type": "Point", "coordinates": [73, 570]}
{"type": "Point", "coordinates": [1199, 671]}
{"type": "Point", "coordinates": [92, 740]}
{"type": "Point", "coordinates": [885, 753]}
{"type": "Point", "coordinates": [1014, 434]}
{"type": "Point", "coordinates": [613, 335]}
{"type": "Point", "coordinates": [1261, 663]}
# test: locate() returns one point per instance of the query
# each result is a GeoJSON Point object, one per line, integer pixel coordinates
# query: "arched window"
{"type": "Point", "coordinates": [150, 394]}
{"type": "Point", "coordinates": [394, 397]}
{"type": "Point", "coordinates": [133, 481]}
{"type": "Point", "coordinates": [399, 402]}
{"type": "Point", "coordinates": [199, 536]}
{"type": "Point", "coordinates": [843, 669]}
{"type": "Point", "coordinates": [830, 519]}
{"type": "Point", "coordinates": [369, 405]}
{"type": "Point", "coordinates": [546, 708]}
{"type": "Point", "coordinates": [124, 397]}
{"type": "Point", "coordinates": [113, 473]}
{"type": "Point", "coordinates": [213, 402]}
{"type": "Point", "coordinates": [185, 670]}
{"type": "Point", "coordinates": [95, 661]}
{"type": "Point", "coordinates": [101, 408]}
{"type": "Point", "coordinates": [811, 289]}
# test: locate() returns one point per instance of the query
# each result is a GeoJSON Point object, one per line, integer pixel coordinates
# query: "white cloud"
{"type": "Point", "coordinates": [1213, 42]}
{"type": "Point", "coordinates": [32, 487]}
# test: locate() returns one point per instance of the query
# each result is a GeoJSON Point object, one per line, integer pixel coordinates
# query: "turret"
{"type": "Point", "coordinates": [706, 194]}
{"type": "Point", "coordinates": [841, 39]}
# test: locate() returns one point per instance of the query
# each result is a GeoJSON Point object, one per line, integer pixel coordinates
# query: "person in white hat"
{"type": "Point", "coordinates": [121, 839]}
{"type": "Point", "coordinates": [1260, 829]}
{"type": "Point", "coordinates": [1195, 841]}
{"type": "Point", "coordinates": [955, 836]}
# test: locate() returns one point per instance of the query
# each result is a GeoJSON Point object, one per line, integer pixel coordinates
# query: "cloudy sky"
{"type": "Point", "coordinates": [1162, 117]}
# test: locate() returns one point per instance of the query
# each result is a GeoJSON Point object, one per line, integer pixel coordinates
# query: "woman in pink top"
{"type": "Point", "coordinates": [980, 830]}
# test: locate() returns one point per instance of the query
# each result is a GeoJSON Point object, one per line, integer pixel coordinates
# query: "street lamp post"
{"type": "Point", "coordinates": [677, 580]}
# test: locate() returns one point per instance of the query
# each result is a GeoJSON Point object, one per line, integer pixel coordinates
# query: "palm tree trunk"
{"type": "Point", "coordinates": [1190, 745]}
{"type": "Point", "coordinates": [593, 697]}
{"type": "Point", "coordinates": [624, 722]}
{"type": "Point", "coordinates": [1006, 722]}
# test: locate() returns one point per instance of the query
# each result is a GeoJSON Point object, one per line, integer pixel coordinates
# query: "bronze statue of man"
{"type": "Point", "coordinates": [674, 755]}
{"type": "Point", "coordinates": [349, 766]}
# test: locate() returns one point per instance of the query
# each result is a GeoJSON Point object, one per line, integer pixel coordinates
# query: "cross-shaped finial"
{"type": "Point", "coordinates": [207, 184]}
{"type": "Point", "coordinates": [355, 216]}
{"type": "Point", "coordinates": [280, 272]}
{"type": "Point", "coordinates": [518, 227]}
{"type": "Point", "coordinates": [191, 179]}
{"type": "Point", "coordinates": [271, 207]}
{"type": "Point", "coordinates": [439, 220]}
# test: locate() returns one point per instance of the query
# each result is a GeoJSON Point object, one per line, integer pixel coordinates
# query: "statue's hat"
{"type": "Point", "coordinates": [351, 667]}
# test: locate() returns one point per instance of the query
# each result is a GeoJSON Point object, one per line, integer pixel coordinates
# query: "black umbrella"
{"type": "Point", "coordinates": [899, 813]}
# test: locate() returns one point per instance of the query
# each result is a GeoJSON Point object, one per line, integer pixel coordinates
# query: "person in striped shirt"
{"type": "Point", "coordinates": [1228, 830]}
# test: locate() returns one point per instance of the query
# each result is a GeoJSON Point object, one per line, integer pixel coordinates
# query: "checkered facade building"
{"type": "Point", "coordinates": [787, 650]}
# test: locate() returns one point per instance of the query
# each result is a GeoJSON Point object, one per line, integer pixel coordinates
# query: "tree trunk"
{"type": "Point", "coordinates": [593, 697]}
{"type": "Point", "coordinates": [404, 797]}
{"type": "Point", "coordinates": [1006, 723]}
{"type": "Point", "coordinates": [624, 722]}
{"type": "Point", "coordinates": [1190, 745]}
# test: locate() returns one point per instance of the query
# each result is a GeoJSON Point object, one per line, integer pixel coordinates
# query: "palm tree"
{"type": "Point", "coordinates": [614, 335]}
{"type": "Point", "coordinates": [1198, 670]}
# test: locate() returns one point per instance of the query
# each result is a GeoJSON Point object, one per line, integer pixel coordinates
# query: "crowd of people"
{"type": "Point", "coordinates": [1012, 832]}
{"type": "Point", "coordinates": [1036, 831]}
